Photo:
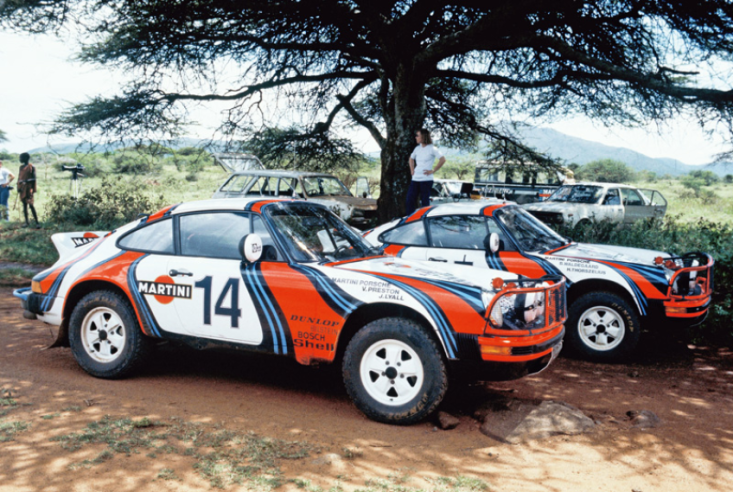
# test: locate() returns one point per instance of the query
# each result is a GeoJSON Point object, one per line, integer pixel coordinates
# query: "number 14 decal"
{"type": "Point", "coordinates": [233, 311]}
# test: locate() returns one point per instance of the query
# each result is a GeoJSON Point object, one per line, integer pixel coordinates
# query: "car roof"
{"type": "Point", "coordinates": [597, 183]}
{"type": "Point", "coordinates": [221, 204]}
{"type": "Point", "coordinates": [280, 173]}
{"type": "Point", "coordinates": [473, 207]}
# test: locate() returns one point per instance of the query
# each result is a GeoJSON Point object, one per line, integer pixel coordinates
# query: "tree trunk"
{"type": "Point", "coordinates": [408, 114]}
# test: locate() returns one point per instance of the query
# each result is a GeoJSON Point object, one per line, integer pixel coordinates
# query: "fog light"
{"type": "Point", "coordinates": [36, 287]}
{"type": "Point", "coordinates": [492, 350]}
{"type": "Point", "coordinates": [675, 310]}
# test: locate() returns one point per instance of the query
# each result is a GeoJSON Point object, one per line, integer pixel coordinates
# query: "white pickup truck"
{"type": "Point", "coordinates": [584, 202]}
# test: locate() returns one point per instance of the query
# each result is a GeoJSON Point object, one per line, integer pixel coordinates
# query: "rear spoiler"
{"type": "Point", "coordinates": [68, 243]}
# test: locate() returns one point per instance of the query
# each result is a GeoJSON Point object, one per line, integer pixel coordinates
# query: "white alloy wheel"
{"type": "Point", "coordinates": [601, 328]}
{"type": "Point", "coordinates": [103, 334]}
{"type": "Point", "coordinates": [391, 372]}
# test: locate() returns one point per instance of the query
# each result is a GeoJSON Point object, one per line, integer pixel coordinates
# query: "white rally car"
{"type": "Point", "coordinates": [290, 278]}
{"type": "Point", "coordinates": [612, 291]}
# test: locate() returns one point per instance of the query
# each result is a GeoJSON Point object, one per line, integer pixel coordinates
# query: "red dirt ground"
{"type": "Point", "coordinates": [689, 388]}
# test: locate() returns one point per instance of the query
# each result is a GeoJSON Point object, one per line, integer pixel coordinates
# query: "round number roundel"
{"type": "Point", "coordinates": [251, 247]}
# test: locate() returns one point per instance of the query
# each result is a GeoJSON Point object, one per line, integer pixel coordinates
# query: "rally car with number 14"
{"type": "Point", "coordinates": [290, 278]}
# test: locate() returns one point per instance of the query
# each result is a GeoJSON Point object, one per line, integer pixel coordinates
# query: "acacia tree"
{"type": "Point", "coordinates": [390, 67]}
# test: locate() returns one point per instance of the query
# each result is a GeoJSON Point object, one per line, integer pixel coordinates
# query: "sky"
{"type": "Point", "coordinates": [39, 79]}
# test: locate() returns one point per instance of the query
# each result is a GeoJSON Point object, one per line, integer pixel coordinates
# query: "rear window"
{"type": "Point", "coordinates": [412, 234]}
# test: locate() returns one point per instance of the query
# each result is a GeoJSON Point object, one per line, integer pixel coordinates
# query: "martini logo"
{"type": "Point", "coordinates": [87, 238]}
{"type": "Point", "coordinates": [164, 289]}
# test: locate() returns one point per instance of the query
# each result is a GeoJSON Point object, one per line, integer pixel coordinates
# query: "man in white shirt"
{"type": "Point", "coordinates": [422, 170]}
{"type": "Point", "coordinates": [6, 177]}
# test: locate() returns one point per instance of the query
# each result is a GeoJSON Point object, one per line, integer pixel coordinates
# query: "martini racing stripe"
{"type": "Point", "coordinates": [641, 298]}
{"type": "Point", "coordinates": [267, 308]}
{"type": "Point", "coordinates": [494, 262]}
{"type": "Point", "coordinates": [146, 317]}
{"type": "Point", "coordinates": [472, 295]}
{"type": "Point", "coordinates": [337, 299]}
{"type": "Point", "coordinates": [444, 326]}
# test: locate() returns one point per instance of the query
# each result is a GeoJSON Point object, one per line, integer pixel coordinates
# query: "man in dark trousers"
{"type": "Point", "coordinates": [27, 187]}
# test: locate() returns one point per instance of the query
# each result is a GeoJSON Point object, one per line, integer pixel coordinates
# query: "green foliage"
{"type": "Point", "coordinates": [130, 162]}
{"type": "Point", "coordinates": [106, 206]}
{"type": "Point", "coordinates": [460, 167]}
{"type": "Point", "coordinates": [707, 177]}
{"type": "Point", "coordinates": [728, 178]}
{"type": "Point", "coordinates": [605, 171]}
{"type": "Point", "coordinates": [677, 237]}
{"type": "Point", "coordinates": [648, 176]}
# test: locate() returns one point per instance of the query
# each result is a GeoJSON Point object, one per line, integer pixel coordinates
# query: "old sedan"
{"type": "Point", "coordinates": [292, 279]}
{"type": "Point", "coordinates": [613, 291]}
{"type": "Point", "coordinates": [586, 202]}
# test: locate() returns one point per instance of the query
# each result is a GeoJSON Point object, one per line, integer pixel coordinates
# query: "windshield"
{"type": "Point", "coordinates": [324, 186]}
{"type": "Point", "coordinates": [577, 194]}
{"type": "Point", "coordinates": [528, 232]}
{"type": "Point", "coordinates": [454, 187]}
{"type": "Point", "coordinates": [312, 233]}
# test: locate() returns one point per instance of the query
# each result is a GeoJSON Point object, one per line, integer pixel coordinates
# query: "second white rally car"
{"type": "Point", "coordinates": [612, 290]}
{"type": "Point", "coordinates": [292, 279]}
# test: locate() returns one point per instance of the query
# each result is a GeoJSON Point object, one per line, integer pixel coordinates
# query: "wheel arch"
{"type": "Point", "coordinates": [577, 289]}
{"type": "Point", "coordinates": [371, 312]}
{"type": "Point", "coordinates": [75, 294]}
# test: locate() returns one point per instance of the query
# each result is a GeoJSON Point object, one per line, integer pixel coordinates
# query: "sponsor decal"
{"type": "Point", "coordinates": [299, 342]}
{"type": "Point", "coordinates": [580, 266]}
{"type": "Point", "coordinates": [87, 238]}
{"type": "Point", "coordinates": [164, 289]}
{"type": "Point", "coordinates": [314, 321]}
{"type": "Point", "coordinates": [384, 289]}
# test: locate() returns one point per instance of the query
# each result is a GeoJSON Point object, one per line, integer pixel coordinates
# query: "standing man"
{"type": "Point", "coordinates": [6, 177]}
{"type": "Point", "coordinates": [421, 168]}
{"type": "Point", "coordinates": [27, 187]}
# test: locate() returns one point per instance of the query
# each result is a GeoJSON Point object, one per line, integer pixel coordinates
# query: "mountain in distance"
{"type": "Point", "coordinates": [579, 151]}
{"type": "Point", "coordinates": [551, 142]}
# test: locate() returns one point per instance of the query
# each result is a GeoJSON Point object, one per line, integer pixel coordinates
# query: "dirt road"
{"type": "Point", "coordinates": [194, 420]}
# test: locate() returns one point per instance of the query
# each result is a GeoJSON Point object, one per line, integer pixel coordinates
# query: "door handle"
{"type": "Point", "coordinates": [464, 262]}
{"type": "Point", "coordinates": [184, 273]}
{"type": "Point", "coordinates": [442, 260]}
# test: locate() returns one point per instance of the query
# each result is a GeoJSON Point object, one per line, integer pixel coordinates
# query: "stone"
{"type": "Point", "coordinates": [447, 421]}
{"type": "Point", "coordinates": [643, 419]}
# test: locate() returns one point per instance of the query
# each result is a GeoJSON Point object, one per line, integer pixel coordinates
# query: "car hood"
{"type": "Point", "coordinates": [423, 270]}
{"type": "Point", "coordinates": [551, 206]}
{"type": "Point", "coordinates": [611, 253]}
{"type": "Point", "coordinates": [353, 201]}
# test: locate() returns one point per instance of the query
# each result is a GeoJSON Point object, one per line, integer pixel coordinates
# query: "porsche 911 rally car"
{"type": "Point", "coordinates": [612, 290]}
{"type": "Point", "coordinates": [290, 278]}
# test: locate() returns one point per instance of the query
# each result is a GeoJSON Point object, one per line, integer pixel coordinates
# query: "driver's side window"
{"type": "Point", "coordinates": [458, 231]}
{"type": "Point", "coordinates": [612, 198]}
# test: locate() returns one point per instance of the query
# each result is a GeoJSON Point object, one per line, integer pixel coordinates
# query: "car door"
{"type": "Point", "coordinates": [611, 207]}
{"type": "Point", "coordinates": [220, 307]}
{"type": "Point", "coordinates": [157, 295]}
{"type": "Point", "coordinates": [634, 207]}
{"type": "Point", "coordinates": [655, 201]}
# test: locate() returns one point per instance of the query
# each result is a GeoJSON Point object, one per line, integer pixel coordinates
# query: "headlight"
{"type": "Point", "coordinates": [496, 317]}
{"type": "Point", "coordinates": [519, 311]}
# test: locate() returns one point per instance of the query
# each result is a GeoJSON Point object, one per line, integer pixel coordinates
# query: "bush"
{"type": "Point", "coordinates": [110, 205]}
{"type": "Point", "coordinates": [605, 171]}
{"type": "Point", "coordinates": [134, 163]}
{"type": "Point", "coordinates": [677, 237]}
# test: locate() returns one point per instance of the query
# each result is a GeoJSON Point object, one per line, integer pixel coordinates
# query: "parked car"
{"type": "Point", "coordinates": [521, 183]}
{"type": "Point", "coordinates": [613, 291]}
{"type": "Point", "coordinates": [326, 189]}
{"type": "Point", "coordinates": [584, 202]}
{"type": "Point", "coordinates": [292, 279]}
{"type": "Point", "coordinates": [450, 190]}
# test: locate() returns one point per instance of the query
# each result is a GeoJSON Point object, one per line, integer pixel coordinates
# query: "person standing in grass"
{"type": "Point", "coordinates": [6, 177]}
{"type": "Point", "coordinates": [27, 187]}
{"type": "Point", "coordinates": [422, 170]}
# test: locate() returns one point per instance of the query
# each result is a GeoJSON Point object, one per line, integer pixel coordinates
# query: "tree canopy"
{"type": "Point", "coordinates": [462, 68]}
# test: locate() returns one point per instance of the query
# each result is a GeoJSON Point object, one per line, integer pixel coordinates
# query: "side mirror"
{"type": "Point", "coordinates": [250, 247]}
{"type": "Point", "coordinates": [492, 242]}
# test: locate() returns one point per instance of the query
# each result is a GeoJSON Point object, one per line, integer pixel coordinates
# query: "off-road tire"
{"type": "Point", "coordinates": [403, 393]}
{"type": "Point", "coordinates": [603, 327]}
{"type": "Point", "coordinates": [120, 350]}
